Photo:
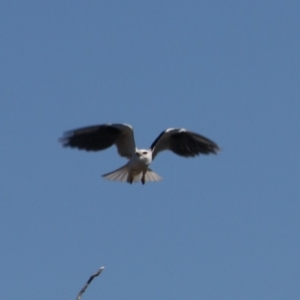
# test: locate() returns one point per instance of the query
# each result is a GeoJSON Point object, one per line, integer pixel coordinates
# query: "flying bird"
{"type": "Point", "coordinates": [100, 137]}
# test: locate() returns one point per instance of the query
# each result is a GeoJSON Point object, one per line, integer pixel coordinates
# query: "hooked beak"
{"type": "Point", "coordinates": [138, 154]}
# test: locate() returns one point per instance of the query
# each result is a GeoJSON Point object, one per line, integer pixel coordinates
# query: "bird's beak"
{"type": "Point", "coordinates": [138, 154]}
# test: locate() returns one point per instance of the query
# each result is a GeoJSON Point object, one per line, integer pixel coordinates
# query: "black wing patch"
{"type": "Point", "coordinates": [93, 138]}
{"type": "Point", "coordinates": [156, 140]}
{"type": "Point", "coordinates": [191, 144]}
{"type": "Point", "coordinates": [183, 142]}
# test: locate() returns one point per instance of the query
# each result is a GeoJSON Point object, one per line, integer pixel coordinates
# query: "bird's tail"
{"type": "Point", "coordinates": [151, 176]}
{"type": "Point", "coordinates": [122, 175]}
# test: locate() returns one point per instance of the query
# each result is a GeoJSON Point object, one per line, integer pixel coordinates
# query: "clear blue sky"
{"type": "Point", "coordinates": [217, 227]}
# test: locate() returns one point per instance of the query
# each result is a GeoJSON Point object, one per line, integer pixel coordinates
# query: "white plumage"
{"type": "Point", "coordinates": [95, 138]}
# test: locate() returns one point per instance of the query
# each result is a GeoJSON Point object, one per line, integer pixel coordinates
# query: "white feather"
{"type": "Point", "coordinates": [117, 175]}
{"type": "Point", "coordinates": [152, 176]}
{"type": "Point", "coordinates": [121, 174]}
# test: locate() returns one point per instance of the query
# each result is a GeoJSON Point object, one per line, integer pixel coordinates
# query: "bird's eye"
{"type": "Point", "coordinates": [145, 152]}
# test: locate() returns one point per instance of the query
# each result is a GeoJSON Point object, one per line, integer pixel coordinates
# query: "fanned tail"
{"type": "Point", "coordinates": [122, 173]}
{"type": "Point", "coordinates": [152, 176]}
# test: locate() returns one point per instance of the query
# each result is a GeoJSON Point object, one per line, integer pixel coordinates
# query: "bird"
{"type": "Point", "coordinates": [100, 137]}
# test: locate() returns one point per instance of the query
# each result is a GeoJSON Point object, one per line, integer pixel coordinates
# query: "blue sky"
{"type": "Point", "coordinates": [217, 227]}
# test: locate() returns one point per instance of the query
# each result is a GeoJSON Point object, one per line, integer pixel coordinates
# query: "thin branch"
{"type": "Point", "coordinates": [88, 282]}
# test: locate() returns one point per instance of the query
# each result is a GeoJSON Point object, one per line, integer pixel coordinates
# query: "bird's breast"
{"type": "Point", "coordinates": [141, 161]}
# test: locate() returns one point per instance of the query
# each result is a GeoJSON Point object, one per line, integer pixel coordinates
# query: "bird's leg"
{"type": "Point", "coordinates": [143, 180]}
{"type": "Point", "coordinates": [129, 178]}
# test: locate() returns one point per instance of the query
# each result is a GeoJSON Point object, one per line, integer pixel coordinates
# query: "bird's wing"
{"type": "Point", "coordinates": [100, 137]}
{"type": "Point", "coordinates": [183, 142]}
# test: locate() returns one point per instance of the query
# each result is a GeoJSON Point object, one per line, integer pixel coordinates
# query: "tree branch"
{"type": "Point", "coordinates": [88, 282]}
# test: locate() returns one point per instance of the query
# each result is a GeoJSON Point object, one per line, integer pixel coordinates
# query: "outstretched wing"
{"type": "Point", "coordinates": [183, 142]}
{"type": "Point", "coordinates": [100, 137]}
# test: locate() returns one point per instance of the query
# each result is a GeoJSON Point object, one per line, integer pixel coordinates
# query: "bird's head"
{"type": "Point", "coordinates": [143, 154]}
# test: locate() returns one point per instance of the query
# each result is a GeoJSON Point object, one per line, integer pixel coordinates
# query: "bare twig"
{"type": "Point", "coordinates": [88, 282]}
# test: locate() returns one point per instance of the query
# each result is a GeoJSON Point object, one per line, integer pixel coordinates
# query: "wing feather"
{"type": "Point", "coordinates": [101, 137]}
{"type": "Point", "coordinates": [183, 142]}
